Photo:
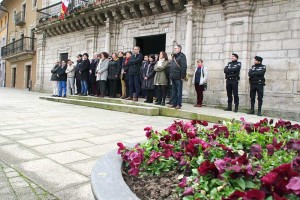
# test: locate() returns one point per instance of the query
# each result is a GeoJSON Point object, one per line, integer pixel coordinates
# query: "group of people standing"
{"type": "Point", "coordinates": [132, 75]}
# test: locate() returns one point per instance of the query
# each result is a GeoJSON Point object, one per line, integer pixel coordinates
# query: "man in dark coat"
{"type": "Point", "coordinates": [257, 83]}
{"type": "Point", "coordinates": [92, 77]}
{"type": "Point", "coordinates": [134, 65]}
{"type": "Point", "coordinates": [232, 76]}
{"type": "Point", "coordinates": [84, 74]}
{"type": "Point", "coordinates": [62, 80]}
{"type": "Point", "coordinates": [178, 67]}
{"type": "Point", "coordinates": [77, 75]}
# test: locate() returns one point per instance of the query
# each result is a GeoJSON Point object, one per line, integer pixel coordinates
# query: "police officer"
{"type": "Point", "coordinates": [232, 75]}
{"type": "Point", "coordinates": [257, 83]}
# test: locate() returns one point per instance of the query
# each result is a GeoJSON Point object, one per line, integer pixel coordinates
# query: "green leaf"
{"type": "Point", "coordinates": [250, 185]}
{"type": "Point", "coordinates": [269, 198]}
{"type": "Point", "coordinates": [241, 183]}
{"type": "Point", "coordinates": [188, 198]}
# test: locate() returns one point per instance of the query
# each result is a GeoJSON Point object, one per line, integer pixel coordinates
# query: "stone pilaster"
{"type": "Point", "coordinates": [107, 36]}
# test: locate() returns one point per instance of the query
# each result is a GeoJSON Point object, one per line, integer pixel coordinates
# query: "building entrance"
{"type": "Point", "coordinates": [151, 44]}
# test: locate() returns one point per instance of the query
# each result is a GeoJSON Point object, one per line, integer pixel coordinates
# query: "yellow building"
{"type": "Point", "coordinates": [3, 35]}
{"type": "Point", "coordinates": [20, 52]}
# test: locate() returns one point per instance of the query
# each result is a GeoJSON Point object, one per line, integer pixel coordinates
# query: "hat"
{"type": "Point", "coordinates": [235, 55]}
{"type": "Point", "coordinates": [258, 58]}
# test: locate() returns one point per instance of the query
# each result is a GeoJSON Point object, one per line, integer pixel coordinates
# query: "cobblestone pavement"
{"type": "Point", "coordinates": [14, 185]}
{"type": "Point", "coordinates": [48, 149]}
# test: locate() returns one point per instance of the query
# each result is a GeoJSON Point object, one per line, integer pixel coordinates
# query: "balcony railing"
{"type": "Point", "coordinates": [20, 18]}
{"type": "Point", "coordinates": [23, 45]}
{"type": "Point", "coordinates": [53, 12]}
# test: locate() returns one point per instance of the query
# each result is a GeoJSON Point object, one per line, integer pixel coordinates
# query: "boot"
{"type": "Point", "coordinates": [163, 102]}
{"type": "Point", "coordinates": [236, 108]}
{"type": "Point", "coordinates": [229, 108]}
{"type": "Point", "coordinates": [251, 111]}
{"type": "Point", "coordinates": [259, 111]}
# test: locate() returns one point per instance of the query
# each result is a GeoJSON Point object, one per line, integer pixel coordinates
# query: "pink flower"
{"type": "Point", "coordinates": [254, 195]}
{"type": "Point", "coordinates": [121, 147]}
{"type": "Point", "coordinates": [188, 191]}
{"type": "Point", "coordinates": [256, 151]}
{"type": "Point", "coordinates": [270, 149]}
{"type": "Point", "coordinates": [294, 185]}
{"type": "Point", "coordinates": [154, 155]}
{"type": "Point", "coordinates": [134, 171]}
{"type": "Point", "coordinates": [264, 129]}
{"type": "Point", "coordinates": [182, 183]}
{"type": "Point", "coordinates": [175, 136]}
{"type": "Point", "coordinates": [148, 131]}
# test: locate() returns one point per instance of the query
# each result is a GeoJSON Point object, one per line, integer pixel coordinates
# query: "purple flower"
{"type": "Point", "coordinates": [121, 147]}
{"type": "Point", "coordinates": [148, 131]}
{"type": "Point", "coordinates": [182, 183]}
{"type": "Point", "coordinates": [256, 151]}
{"type": "Point", "coordinates": [270, 149]}
{"type": "Point", "coordinates": [207, 167]}
{"type": "Point", "coordinates": [221, 165]}
{"type": "Point", "coordinates": [235, 196]}
{"type": "Point", "coordinates": [294, 185]}
{"type": "Point", "coordinates": [188, 191]}
{"type": "Point", "coordinates": [296, 164]}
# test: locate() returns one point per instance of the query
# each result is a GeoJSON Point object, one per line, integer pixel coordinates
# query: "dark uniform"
{"type": "Point", "coordinates": [257, 83]}
{"type": "Point", "coordinates": [232, 76]}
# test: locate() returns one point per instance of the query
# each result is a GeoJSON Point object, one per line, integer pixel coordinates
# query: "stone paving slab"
{"type": "Point", "coordinates": [15, 153]}
{"type": "Point", "coordinates": [83, 167]}
{"type": "Point", "coordinates": [68, 157]}
{"type": "Point", "coordinates": [51, 175]}
{"type": "Point", "coordinates": [83, 192]}
{"type": "Point", "coordinates": [34, 142]}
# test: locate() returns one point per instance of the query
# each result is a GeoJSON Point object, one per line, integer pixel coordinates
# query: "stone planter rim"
{"type": "Point", "coordinates": [107, 181]}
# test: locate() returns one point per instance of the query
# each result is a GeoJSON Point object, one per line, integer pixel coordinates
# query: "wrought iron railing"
{"type": "Point", "coordinates": [25, 44]}
{"type": "Point", "coordinates": [20, 18]}
{"type": "Point", "coordinates": [53, 11]}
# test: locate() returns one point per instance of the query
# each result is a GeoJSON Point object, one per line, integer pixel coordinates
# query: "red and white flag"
{"type": "Point", "coordinates": [64, 7]}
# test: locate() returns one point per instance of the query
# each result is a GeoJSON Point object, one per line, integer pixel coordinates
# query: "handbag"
{"type": "Point", "coordinates": [205, 84]}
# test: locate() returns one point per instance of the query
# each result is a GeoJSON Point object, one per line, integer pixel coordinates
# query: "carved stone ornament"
{"type": "Point", "coordinates": [147, 20]}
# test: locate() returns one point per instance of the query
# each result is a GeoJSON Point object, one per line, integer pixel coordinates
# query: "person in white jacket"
{"type": "Point", "coordinates": [70, 71]}
{"type": "Point", "coordinates": [101, 74]}
{"type": "Point", "coordinates": [200, 81]}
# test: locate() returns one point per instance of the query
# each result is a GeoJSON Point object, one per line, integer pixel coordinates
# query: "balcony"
{"type": "Point", "coordinates": [20, 18]}
{"type": "Point", "coordinates": [18, 50]}
{"type": "Point", "coordinates": [89, 13]}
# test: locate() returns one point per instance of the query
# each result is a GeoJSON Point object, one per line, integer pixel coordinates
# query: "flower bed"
{"type": "Point", "coordinates": [229, 161]}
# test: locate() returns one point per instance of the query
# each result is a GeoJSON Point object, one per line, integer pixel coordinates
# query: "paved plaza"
{"type": "Point", "coordinates": [48, 149]}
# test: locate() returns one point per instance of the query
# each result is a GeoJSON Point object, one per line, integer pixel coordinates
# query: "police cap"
{"type": "Point", "coordinates": [258, 58]}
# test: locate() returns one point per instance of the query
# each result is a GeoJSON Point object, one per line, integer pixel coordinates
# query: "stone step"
{"type": "Point", "coordinates": [135, 109]}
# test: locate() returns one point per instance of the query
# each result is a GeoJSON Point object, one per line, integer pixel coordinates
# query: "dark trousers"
{"type": "Point", "coordinates": [134, 83]}
{"type": "Point", "coordinates": [259, 89]}
{"type": "Point", "coordinates": [161, 93]}
{"type": "Point", "coordinates": [78, 85]}
{"type": "Point", "coordinates": [177, 92]}
{"type": "Point", "coordinates": [232, 86]}
{"type": "Point", "coordinates": [127, 86]}
{"type": "Point", "coordinates": [199, 90]}
{"type": "Point", "coordinates": [150, 93]}
{"type": "Point", "coordinates": [93, 88]}
{"type": "Point", "coordinates": [101, 87]}
{"type": "Point", "coordinates": [89, 86]}
{"type": "Point", "coordinates": [113, 87]}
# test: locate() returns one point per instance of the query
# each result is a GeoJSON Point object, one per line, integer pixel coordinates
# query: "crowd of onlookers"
{"type": "Point", "coordinates": [131, 76]}
{"type": "Point", "coordinates": [128, 75]}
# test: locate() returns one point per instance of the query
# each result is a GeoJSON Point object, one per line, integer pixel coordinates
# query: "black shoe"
{"type": "Point", "coordinates": [251, 112]}
{"type": "Point", "coordinates": [228, 109]}
{"type": "Point", "coordinates": [79, 94]}
{"type": "Point", "coordinates": [58, 96]}
{"type": "Point", "coordinates": [64, 96]}
{"type": "Point", "coordinates": [236, 108]}
{"type": "Point", "coordinates": [158, 103]}
{"type": "Point", "coordinates": [146, 101]}
{"type": "Point", "coordinates": [163, 103]}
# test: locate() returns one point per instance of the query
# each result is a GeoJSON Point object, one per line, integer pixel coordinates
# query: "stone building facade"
{"type": "Point", "coordinates": [207, 29]}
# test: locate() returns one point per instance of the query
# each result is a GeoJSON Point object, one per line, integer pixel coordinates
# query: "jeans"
{"type": "Point", "coordinates": [62, 90]}
{"type": "Point", "coordinates": [177, 92]}
{"type": "Point", "coordinates": [70, 85]}
{"type": "Point", "coordinates": [84, 87]}
{"type": "Point", "coordinates": [134, 82]}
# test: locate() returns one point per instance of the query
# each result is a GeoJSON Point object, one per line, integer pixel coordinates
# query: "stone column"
{"type": "Point", "coordinates": [189, 34]}
{"type": "Point", "coordinates": [107, 37]}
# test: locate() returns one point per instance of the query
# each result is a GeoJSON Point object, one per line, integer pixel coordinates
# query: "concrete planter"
{"type": "Point", "coordinates": [107, 180]}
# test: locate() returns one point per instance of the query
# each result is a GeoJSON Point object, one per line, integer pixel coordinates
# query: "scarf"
{"type": "Point", "coordinates": [160, 62]}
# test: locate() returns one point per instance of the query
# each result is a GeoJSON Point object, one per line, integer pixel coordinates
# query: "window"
{"type": "Point", "coordinates": [23, 11]}
{"type": "Point", "coordinates": [14, 15]}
